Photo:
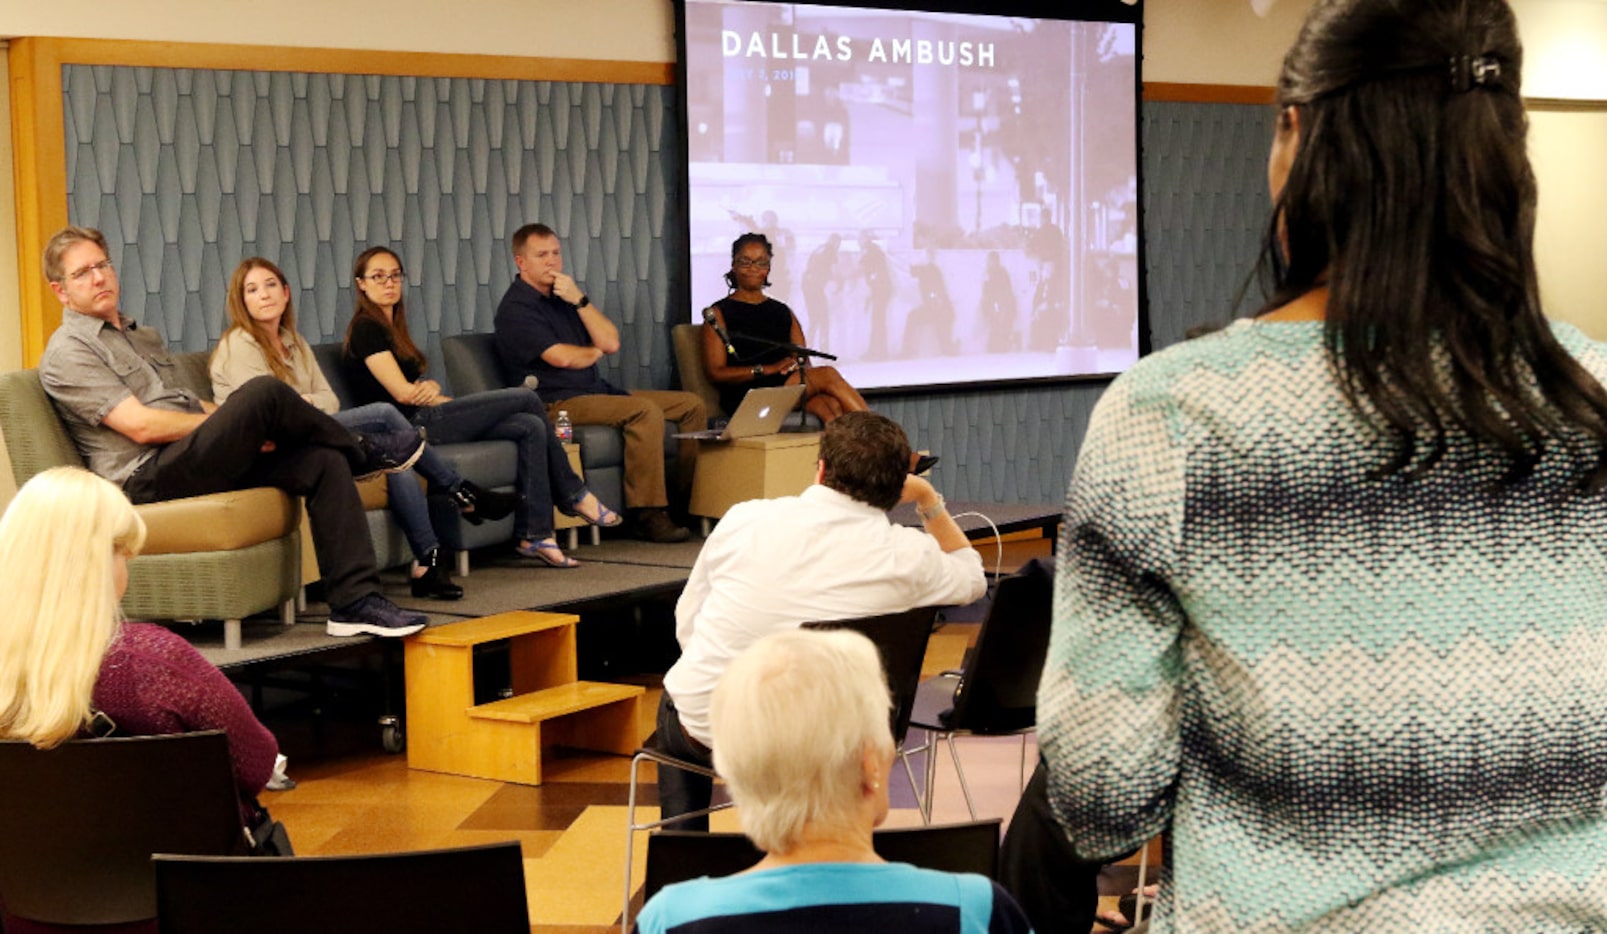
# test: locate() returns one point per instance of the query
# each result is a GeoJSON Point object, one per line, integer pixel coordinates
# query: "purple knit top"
{"type": "Point", "coordinates": [153, 682]}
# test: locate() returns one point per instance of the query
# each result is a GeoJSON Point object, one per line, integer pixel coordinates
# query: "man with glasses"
{"type": "Point", "coordinates": [546, 326]}
{"type": "Point", "coordinates": [117, 390]}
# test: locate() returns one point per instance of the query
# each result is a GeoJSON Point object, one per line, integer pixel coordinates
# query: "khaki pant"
{"type": "Point", "coordinates": [641, 416]}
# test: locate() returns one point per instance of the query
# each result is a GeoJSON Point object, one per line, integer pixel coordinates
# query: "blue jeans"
{"type": "Point", "coordinates": [407, 500]}
{"type": "Point", "coordinates": [512, 415]}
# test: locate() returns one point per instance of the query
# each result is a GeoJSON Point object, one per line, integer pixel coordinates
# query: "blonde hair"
{"type": "Point", "coordinates": [240, 317]}
{"type": "Point", "coordinates": [792, 718]}
{"type": "Point", "coordinates": [57, 541]}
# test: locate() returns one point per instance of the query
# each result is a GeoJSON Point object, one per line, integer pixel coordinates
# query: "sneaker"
{"type": "Point", "coordinates": [374, 615]}
{"type": "Point", "coordinates": [655, 525]}
{"type": "Point", "coordinates": [389, 452]}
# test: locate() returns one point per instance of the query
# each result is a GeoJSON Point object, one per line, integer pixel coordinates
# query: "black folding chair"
{"type": "Point", "coordinates": [680, 856]}
{"type": "Point", "coordinates": [901, 640]}
{"type": "Point", "coordinates": [81, 821]}
{"type": "Point", "coordinates": [997, 692]}
{"type": "Point", "coordinates": [474, 888]}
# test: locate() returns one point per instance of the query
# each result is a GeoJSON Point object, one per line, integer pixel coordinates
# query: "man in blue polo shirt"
{"type": "Point", "coordinates": [547, 327]}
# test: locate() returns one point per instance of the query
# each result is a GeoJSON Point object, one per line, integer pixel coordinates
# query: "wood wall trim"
{"type": "Point", "coordinates": [1160, 91]}
{"type": "Point", "coordinates": [355, 61]}
{"type": "Point", "coordinates": [38, 139]}
{"type": "Point", "coordinates": [39, 134]}
{"type": "Point", "coordinates": [1561, 105]}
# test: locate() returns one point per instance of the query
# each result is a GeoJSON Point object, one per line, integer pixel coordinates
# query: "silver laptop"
{"type": "Point", "coordinates": [761, 413]}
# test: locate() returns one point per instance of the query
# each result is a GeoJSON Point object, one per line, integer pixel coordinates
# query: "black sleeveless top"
{"type": "Point", "coordinates": [769, 320]}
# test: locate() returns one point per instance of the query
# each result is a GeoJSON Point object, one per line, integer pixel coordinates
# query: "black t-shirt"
{"type": "Point", "coordinates": [369, 337]}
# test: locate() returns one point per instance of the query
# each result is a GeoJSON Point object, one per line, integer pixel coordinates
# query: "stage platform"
{"type": "Point", "coordinates": [616, 570]}
{"type": "Point", "coordinates": [1009, 518]}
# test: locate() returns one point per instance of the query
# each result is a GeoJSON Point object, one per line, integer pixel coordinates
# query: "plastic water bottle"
{"type": "Point", "coordinates": [565, 429]}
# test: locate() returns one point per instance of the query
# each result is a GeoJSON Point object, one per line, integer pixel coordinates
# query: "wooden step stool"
{"type": "Point", "coordinates": [502, 740]}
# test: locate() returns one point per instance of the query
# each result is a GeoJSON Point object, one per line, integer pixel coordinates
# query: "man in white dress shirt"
{"type": "Point", "coordinates": [828, 553]}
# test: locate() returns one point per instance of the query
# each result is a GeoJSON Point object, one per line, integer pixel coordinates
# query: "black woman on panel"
{"type": "Point", "coordinates": [756, 323]}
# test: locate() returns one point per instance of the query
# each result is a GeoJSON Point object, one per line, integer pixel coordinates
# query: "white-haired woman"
{"type": "Point", "coordinates": [66, 657]}
{"type": "Point", "coordinates": [801, 738]}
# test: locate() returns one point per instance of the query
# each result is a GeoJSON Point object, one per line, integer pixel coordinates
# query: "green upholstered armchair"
{"type": "Point", "coordinates": [222, 556]}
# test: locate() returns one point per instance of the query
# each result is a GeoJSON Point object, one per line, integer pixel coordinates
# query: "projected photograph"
{"type": "Point", "coordinates": [951, 198]}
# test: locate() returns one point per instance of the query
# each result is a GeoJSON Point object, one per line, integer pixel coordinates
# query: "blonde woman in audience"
{"type": "Point", "coordinates": [69, 665]}
{"type": "Point", "coordinates": [802, 740]}
{"type": "Point", "coordinates": [1332, 582]}
{"type": "Point", "coordinates": [261, 340]}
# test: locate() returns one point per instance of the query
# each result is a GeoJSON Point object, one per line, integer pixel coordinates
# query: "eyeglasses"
{"type": "Point", "coordinates": [79, 275]}
{"type": "Point", "coordinates": [383, 278]}
{"type": "Point", "coordinates": [745, 263]}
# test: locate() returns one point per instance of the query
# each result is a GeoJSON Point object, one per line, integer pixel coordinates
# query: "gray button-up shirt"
{"type": "Point", "coordinates": [89, 367]}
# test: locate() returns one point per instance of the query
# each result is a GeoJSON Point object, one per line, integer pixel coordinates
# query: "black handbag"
{"type": "Point", "coordinates": [266, 836]}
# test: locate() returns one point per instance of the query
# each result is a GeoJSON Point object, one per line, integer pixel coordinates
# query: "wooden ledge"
{"type": "Point", "coordinates": [493, 628]}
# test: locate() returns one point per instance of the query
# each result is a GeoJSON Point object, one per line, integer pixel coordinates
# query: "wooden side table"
{"type": "Point", "coordinates": [731, 472]}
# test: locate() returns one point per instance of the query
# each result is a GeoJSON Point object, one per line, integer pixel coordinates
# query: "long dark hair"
{"type": "Point", "coordinates": [396, 324]}
{"type": "Point", "coordinates": [1411, 197]}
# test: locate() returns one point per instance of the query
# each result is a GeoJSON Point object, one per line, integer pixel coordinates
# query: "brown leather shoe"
{"type": "Point", "coordinates": [655, 525]}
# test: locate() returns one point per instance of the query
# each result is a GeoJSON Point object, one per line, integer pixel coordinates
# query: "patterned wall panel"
{"type": "Point", "coordinates": [1205, 211]}
{"type": "Point", "coordinates": [188, 171]}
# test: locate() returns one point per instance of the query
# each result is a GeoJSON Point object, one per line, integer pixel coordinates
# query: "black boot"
{"type": "Point", "coordinates": [478, 504]}
{"type": "Point", "coordinates": [436, 582]}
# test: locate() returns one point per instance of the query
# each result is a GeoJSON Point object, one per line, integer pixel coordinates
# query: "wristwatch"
{"type": "Point", "coordinates": [757, 370]}
{"type": "Point", "coordinates": [584, 301]}
{"type": "Point", "coordinates": [927, 515]}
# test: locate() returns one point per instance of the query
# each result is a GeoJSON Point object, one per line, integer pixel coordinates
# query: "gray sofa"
{"type": "Point", "coordinates": [491, 464]}
{"type": "Point", "coordinates": [472, 366]}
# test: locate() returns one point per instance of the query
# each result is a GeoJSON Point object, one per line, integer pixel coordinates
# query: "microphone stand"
{"type": "Point", "coordinates": [799, 353]}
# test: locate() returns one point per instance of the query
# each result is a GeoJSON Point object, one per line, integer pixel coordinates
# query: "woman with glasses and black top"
{"type": "Point", "coordinates": [384, 365]}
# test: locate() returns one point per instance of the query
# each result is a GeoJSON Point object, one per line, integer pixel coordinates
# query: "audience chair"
{"type": "Point", "coordinates": [651, 753]}
{"type": "Point", "coordinates": [475, 888]}
{"type": "Point", "coordinates": [901, 640]}
{"type": "Point", "coordinates": [996, 694]}
{"type": "Point", "coordinates": [679, 856]}
{"type": "Point", "coordinates": [81, 821]}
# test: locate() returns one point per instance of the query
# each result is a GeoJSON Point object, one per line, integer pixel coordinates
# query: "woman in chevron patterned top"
{"type": "Point", "coordinates": [1332, 597]}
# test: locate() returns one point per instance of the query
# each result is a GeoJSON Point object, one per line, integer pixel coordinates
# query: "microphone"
{"type": "Point", "coordinates": [710, 319]}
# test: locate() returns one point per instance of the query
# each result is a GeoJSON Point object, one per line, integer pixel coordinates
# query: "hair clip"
{"type": "Point", "coordinates": [1471, 71]}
